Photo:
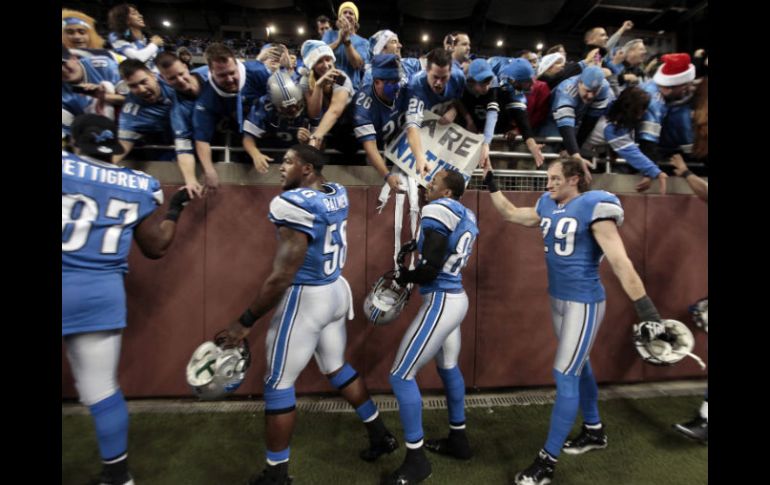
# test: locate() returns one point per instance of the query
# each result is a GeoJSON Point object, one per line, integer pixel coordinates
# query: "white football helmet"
{"type": "Point", "coordinates": [674, 341]}
{"type": "Point", "coordinates": [214, 371]}
{"type": "Point", "coordinates": [285, 94]}
{"type": "Point", "coordinates": [386, 300]}
{"type": "Point", "coordinates": [700, 314]}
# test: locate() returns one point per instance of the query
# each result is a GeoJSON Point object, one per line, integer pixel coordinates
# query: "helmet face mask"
{"type": "Point", "coordinates": [386, 300]}
{"type": "Point", "coordinates": [673, 345]}
{"type": "Point", "coordinates": [214, 371]}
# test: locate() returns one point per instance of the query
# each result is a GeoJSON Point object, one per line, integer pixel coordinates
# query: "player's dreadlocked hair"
{"type": "Point", "coordinates": [572, 168]}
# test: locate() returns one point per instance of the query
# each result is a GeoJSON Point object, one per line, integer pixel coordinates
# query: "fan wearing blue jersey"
{"type": "Point", "coordinates": [232, 89]}
{"type": "Point", "coordinates": [577, 104]}
{"type": "Point", "coordinates": [313, 301]}
{"type": "Point", "coordinates": [386, 42]}
{"type": "Point", "coordinates": [187, 87]}
{"type": "Point", "coordinates": [127, 38]}
{"type": "Point", "coordinates": [447, 233]}
{"type": "Point", "coordinates": [278, 116]}
{"type": "Point", "coordinates": [377, 111]}
{"type": "Point", "coordinates": [103, 206]}
{"type": "Point", "coordinates": [435, 89]}
{"type": "Point", "coordinates": [617, 128]}
{"type": "Point", "coordinates": [87, 86]}
{"type": "Point", "coordinates": [579, 228]}
{"type": "Point", "coordinates": [667, 125]}
{"type": "Point", "coordinates": [147, 109]}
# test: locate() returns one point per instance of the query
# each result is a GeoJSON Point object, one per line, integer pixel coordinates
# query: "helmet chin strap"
{"type": "Point", "coordinates": [697, 359]}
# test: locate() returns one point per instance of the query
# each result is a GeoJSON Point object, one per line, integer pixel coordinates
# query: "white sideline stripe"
{"type": "Point", "coordinates": [388, 403]}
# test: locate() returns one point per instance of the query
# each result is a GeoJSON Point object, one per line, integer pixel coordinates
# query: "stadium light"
{"type": "Point", "coordinates": [272, 28]}
{"type": "Point", "coordinates": [499, 42]}
{"type": "Point", "coordinates": [166, 23]}
{"type": "Point", "coordinates": [300, 30]}
{"type": "Point", "coordinates": [539, 46]}
{"type": "Point", "coordinates": [425, 37]}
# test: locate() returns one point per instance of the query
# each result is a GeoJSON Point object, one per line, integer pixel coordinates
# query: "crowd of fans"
{"type": "Point", "coordinates": [347, 91]}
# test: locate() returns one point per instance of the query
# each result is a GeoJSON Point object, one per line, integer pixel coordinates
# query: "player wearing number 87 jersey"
{"type": "Point", "coordinates": [313, 301]}
{"type": "Point", "coordinates": [579, 229]}
{"type": "Point", "coordinates": [445, 242]}
{"type": "Point", "coordinates": [103, 205]}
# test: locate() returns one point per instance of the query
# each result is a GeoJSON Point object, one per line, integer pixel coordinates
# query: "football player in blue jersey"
{"type": "Point", "coordinates": [666, 127]}
{"type": "Point", "coordinates": [146, 112]}
{"type": "Point", "coordinates": [127, 38]}
{"type": "Point", "coordinates": [103, 206]}
{"type": "Point", "coordinates": [88, 86]}
{"type": "Point", "coordinates": [377, 113]}
{"type": "Point", "coordinates": [187, 87]}
{"type": "Point", "coordinates": [313, 302]}
{"type": "Point", "coordinates": [232, 88]}
{"type": "Point", "coordinates": [577, 104]}
{"type": "Point", "coordinates": [448, 231]}
{"type": "Point", "coordinates": [579, 228]}
{"type": "Point", "coordinates": [435, 90]}
{"type": "Point", "coordinates": [278, 116]}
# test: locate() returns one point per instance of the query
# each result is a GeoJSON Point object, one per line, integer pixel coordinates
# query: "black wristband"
{"type": "Point", "coordinates": [173, 214]}
{"type": "Point", "coordinates": [686, 173]}
{"type": "Point", "coordinates": [645, 310]}
{"type": "Point", "coordinates": [489, 181]}
{"type": "Point", "coordinates": [247, 318]}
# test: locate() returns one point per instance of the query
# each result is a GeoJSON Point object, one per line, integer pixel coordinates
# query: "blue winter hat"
{"type": "Point", "coordinates": [313, 50]}
{"type": "Point", "coordinates": [518, 70]}
{"type": "Point", "coordinates": [380, 39]}
{"type": "Point", "coordinates": [479, 70]}
{"type": "Point", "coordinates": [592, 78]}
{"type": "Point", "coordinates": [385, 66]}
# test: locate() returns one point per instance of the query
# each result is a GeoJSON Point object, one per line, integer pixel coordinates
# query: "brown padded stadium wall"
{"type": "Point", "coordinates": [224, 249]}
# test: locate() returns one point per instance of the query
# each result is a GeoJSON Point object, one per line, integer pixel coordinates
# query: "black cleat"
{"type": "Point", "coordinates": [272, 475]}
{"type": "Point", "coordinates": [455, 446]}
{"type": "Point", "coordinates": [587, 440]}
{"type": "Point", "coordinates": [540, 472]}
{"type": "Point", "coordinates": [415, 469]}
{"type": "Point", "coordinates": [388, 444]}
{"type": "Point", "coordinates": [697, 429]}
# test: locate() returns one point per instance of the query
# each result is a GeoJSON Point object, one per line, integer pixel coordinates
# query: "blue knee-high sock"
{"type": "Point", "coordinates": [409, 407]}
{"type": "Point", "coordinates": [454, 384]}
{"type": "Point", "coordinates": [111, 421]}
{"type": "Point", "coordinates": [589, 396]}
{"type": "Point", "coordinates": [564, 411]}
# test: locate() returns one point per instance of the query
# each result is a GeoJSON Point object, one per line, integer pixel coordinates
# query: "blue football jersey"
{"type": "Point", "coordinates": [375, 120]}
{"type": "Point", "coordinates": [451, 219]}
{"type": "Point", "coordinates": [96, 69]}
{"type": "Point", "coordinates": [361, 46]}
{"type": "Point", "coordinates": [572, 255]}
{"type": "Point", "coordinates": [323, 216]}
{"type": "Point", "coordinates": [182, 110]}
{"type": "Point", "coordinates": [264, 122]}
{"type": "Point", "coordinates": [567, 109]}
{"type": "Point", "coordinates": [669, 124]}
{"type": "Point", "coordinates": [102, 203]}
{"type": "Point", "coordinates": [214, 104]}
{"type": "Point", "coordinates": [138, 117]}
{"type": "Point", "coordinates": [420, 96]}
{"type": "Point", "coordinates": [120, 45]}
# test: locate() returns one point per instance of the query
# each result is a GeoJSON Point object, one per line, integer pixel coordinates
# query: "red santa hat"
{"type": "Point", "coordinates": [676, 70]}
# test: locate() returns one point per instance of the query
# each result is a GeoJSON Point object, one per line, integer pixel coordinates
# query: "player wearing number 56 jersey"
{"type": "Point", "coordinates": [103, 205]}
{"type": "Point", "coordinates": [313, 302]}
{"type": "Point", "coordinates": [579, 228]}
{"type": "Point", "coordinates": [447, 233]}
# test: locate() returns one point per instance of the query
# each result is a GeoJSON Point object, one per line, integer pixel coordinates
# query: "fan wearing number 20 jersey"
{"type": "Point", "coordinates": [101, 205]}
{"type": "Point", "coordinates": [323, 217]}
{"type": "Point", "coordinates": [572, 254]}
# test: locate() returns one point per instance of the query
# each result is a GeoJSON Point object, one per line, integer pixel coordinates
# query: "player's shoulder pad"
{"type": "Point", "coordinates": [604, 205]}
{"type": "Point", "coordinates": [448, 212]}
{"type": "Point", "coordinates": [294, 206]}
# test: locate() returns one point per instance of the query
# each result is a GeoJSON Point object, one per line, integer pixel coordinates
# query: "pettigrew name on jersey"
{"type": "Point", "coordinates": [448, 147]}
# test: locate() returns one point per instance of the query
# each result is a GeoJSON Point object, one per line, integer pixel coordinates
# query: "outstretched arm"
{"type": "Point", "coordinates": [526, 216]}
